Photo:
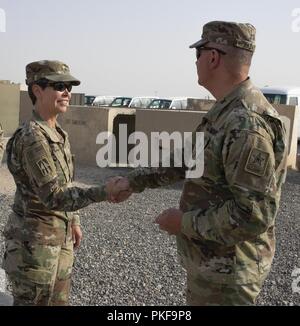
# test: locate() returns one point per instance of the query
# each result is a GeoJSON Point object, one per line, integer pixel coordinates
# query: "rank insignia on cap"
{"type": "Point", "coordinates": [257, 162]}
{"type": "Point", "coordinates": [44, 166]}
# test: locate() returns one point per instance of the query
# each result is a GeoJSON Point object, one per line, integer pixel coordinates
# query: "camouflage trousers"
{"type": "Point", "coordinates": [201, 292]}
{"type": "Point", "coordinates": [39, 274]}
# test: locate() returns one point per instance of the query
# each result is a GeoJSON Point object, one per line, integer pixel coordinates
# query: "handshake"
{"type": "Point", "coordinates": [118, 189]}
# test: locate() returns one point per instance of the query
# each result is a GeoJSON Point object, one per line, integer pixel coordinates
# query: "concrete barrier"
{"type": "Point", "coordinates": [148, 121]}
{"type": "Point", "coordinates": [26, 107]}
{"type": "Point", "coordinates": [4, 154]}
{"type": "Point", "coordinates": [290, 117]}
{"type": "Point", "coordinates": [83, 125]}
{"type": "Point", "coordinates": [9, 107]}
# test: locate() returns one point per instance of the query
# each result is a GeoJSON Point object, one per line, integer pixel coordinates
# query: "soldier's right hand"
{"type": "Point", "coordinates": [117, 189]}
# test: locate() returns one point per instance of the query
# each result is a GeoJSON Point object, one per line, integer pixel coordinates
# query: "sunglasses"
{"type": "Point", "coordinates": [61, 86]}
{"type": "Point", "coordinates": [207, 48]}
{"type": "Point", "coordinates": [57, 86]}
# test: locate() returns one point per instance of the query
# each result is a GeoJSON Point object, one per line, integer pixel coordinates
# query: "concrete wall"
{"type": "Point", "coordinates": [83, 124]}
{"type": "Point", "coordinates": [77, 99]}
{"type": "Point", "coordinates": [148, 121]}
{"type": "Point", "coordinates": [167, 120]}
{"type": "Point", "coordinates": [9, 107]}
{"type": "Point", "coordinates": [290, 117]}
{"type": "Point", "coordinates": [26, 107]}
{"type": "Point", "coordinates": [164, 120]}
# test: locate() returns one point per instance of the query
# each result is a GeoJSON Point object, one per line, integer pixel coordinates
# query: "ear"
{"type": "Point", "coordinates": [215, 57]}
{"type": "Point", "coordinates": [36, 90]}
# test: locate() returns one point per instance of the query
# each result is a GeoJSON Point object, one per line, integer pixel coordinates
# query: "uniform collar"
{"type": "Point", "coordinates": [51, 132]}
{"type": "Point", "coordinates": [220, 105]}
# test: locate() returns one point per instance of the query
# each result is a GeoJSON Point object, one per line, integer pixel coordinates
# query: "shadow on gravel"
{"type": "Point", "coordinates": [293, 177]}
{"type": "Point", "coordinates": [5, 299]}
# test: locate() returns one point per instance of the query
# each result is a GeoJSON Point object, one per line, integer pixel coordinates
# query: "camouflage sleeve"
{"type": "Point", "coordinates": [142, 178]}
{"type": "Point", "coordinates": [76, 219]}
{"type": "Point", "coordinates": [250, 170]}
{"type": "Point", "coordinates": [40, 168]}
{"type": "Point", "coordinates": [1, 144]}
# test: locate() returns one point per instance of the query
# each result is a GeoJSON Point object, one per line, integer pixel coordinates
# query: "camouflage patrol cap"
{"type": "Point", "coordinates": [55, 71]}
{"type": "Point", "coordinates": [237, 35]}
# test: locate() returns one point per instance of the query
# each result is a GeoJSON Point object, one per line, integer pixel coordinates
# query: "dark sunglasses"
{"type": "Point", "coordinates": [57, 86]}
{"type": "Point", "coordinates": [61, 86]}
{"type": "Point", "coordinates": [203, 48]}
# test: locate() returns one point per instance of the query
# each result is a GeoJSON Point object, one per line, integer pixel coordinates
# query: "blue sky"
{"type": "Point", "coordinates": [140, 47]}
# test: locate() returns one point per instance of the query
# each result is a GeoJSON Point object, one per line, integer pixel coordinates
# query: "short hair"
{"type": "Point", "coordinates": [42, 83]}
{"type": "Point", "coordinates": [240, 56]}
{"type": "Point", "coordinates": [235, 58]}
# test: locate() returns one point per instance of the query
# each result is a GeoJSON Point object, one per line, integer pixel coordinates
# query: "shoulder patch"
{"type": "Point", "coordinates": [44, 166]}
{"type": "Point", "coordinates": [257, 162]}
{"type": "Point", "coordinates": [40, 164]}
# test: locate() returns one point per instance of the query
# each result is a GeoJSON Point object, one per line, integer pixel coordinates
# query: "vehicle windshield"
{"type": "Point", "coordinates": [102, 101]}
{"type": "Point", "coordinates": [89, 99]}
{"type": "Point", "coordinates": [140, 102]}
{"type": "Point", "coordinates": [160, 104]}
{"type": "Point", "coordinates": [276, 98]}
{"type": "Point", "coordinates": [121, 101]}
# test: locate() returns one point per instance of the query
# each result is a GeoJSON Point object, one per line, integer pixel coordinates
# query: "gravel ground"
{"type": "Point", "coordinates": [125, 260]}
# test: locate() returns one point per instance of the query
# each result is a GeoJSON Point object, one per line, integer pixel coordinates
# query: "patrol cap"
{"type": "Point", "coordinates": [55, 71]}
{"type": "Point", "coordinates": [237, 35]}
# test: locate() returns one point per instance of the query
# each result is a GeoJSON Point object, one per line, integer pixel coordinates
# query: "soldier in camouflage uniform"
{"type": "Point", "coordinates": [1, 144]}
{"type": "Point", "coordinates": [42, 230]}
{"type": "Point", "coordinates": [225, 224]}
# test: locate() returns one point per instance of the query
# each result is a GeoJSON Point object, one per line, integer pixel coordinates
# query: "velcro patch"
{"type": "Point", "coordinates": [40, 164]}
{"type": "Point", "coordinates": [44, 166]}
{"type": "Point", "coordinates": [257, 162]}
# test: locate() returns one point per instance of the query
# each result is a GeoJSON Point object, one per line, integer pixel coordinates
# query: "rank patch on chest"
{"type": "Point", "coordinates": [257, 162]}
{"type": "Point", "coordinates": [44, 166]}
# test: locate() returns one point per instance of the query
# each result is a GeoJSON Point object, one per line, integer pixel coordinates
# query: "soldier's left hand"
{"type": "Point", "coordinates": [76, 235]}
{"type": "Point", "coordinates": [170, 220]}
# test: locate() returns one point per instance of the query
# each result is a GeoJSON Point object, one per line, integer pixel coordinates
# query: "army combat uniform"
{"type": "Point", "coordinates": [1, 144]}
{"type": "Point", "coordinates": [39, 249]}
{"type": "Point", "coordinates": [227, 238]}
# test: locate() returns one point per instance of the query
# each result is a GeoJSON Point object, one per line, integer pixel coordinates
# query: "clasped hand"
{"type": "Point", "coordinates": [117, 189]}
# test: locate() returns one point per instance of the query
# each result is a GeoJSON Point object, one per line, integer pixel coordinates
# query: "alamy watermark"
{"type": "Point", "coordinates": [166, 150]}
{"type": "Point", "coordinates": [296, 280]}
{"type": "Point", "coordinates": [2, 21]}
{"type": "Point", "coordinates": [296, 21]}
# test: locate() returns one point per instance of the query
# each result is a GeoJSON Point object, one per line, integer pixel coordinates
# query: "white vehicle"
{"type": "Point", "coordinates": [179, 104]}
{"type": "Point", "coordinates": [166, 103]}
{"type": "Point", "coordinates": [283, 95]}
{"type": "Point", "coordinates": [103, 100]}
{"type": "Point", "coordinates": [121, 102]}
{"type": "Point", "coordinates": [160, 103]}
{"type": "Point", "coordinates": [141, 102]}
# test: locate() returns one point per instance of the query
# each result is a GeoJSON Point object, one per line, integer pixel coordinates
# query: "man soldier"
{"type": "Point", "coordinates": [225, 225]}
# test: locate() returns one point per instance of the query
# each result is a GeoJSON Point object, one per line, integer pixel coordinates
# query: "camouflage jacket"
{"type": "Point", "coordinates": [1, 144]}
{"type": "Point", "coordinates": [40, 160]}
{"type": "Point", "coordinates": [227, 231]}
